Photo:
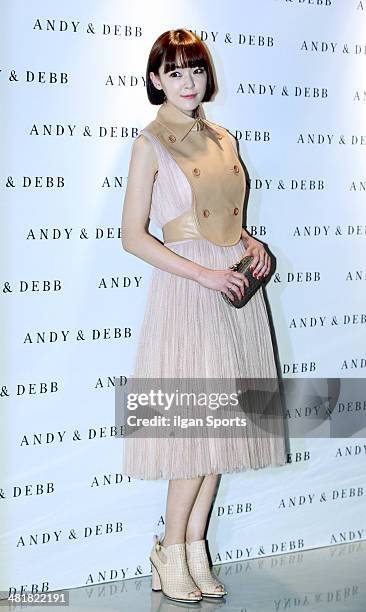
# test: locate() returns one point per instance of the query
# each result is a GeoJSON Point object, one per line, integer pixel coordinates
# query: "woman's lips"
{"type": "Point", "coordinates": [190, 96]}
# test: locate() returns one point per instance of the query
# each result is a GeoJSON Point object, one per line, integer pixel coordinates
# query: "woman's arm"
{"type": "Point", "coordinates": [135, 217]}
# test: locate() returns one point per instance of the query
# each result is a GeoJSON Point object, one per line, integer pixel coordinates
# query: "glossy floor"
{"type": "Point", "coordinates": [331, 579]}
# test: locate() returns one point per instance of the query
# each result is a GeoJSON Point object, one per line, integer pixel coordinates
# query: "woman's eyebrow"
{"type": "Point", "coordinates": [182, 67]}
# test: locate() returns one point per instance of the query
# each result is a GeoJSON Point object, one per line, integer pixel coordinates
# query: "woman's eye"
{"type": "Point", "coordinates": [199, 68]}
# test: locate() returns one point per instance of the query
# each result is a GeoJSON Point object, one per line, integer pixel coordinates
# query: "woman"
{"type": "Point", "coordinates": [185, 175]}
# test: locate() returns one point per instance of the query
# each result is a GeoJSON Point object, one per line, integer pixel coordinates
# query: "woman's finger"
{"type": "Point", "coordinates": [234, 291]}
{"type": "Point", "coordinates": [258, 267]}
{"type": "Point", "coordinates": [236, 282]}
{"type": "Point", "coordinates": [265, 269]}
{"type": "Point", "coordinates": [269, 264]}
{"type": "Point", "coordinates": [242, 277]}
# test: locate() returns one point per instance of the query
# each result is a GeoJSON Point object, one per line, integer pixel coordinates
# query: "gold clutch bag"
{"type": "Point", "coordinates": [254, 283]}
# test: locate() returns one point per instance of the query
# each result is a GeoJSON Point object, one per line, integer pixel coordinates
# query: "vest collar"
{"type": "Point", "coordinates": [180, 124]}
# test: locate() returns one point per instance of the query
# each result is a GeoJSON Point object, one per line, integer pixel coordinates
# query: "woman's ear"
{"type": "Point", "coordinates": [155, 80]}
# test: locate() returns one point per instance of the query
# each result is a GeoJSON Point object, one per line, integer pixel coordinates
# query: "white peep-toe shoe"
{"type": "Point", "coordinates": [200, 571]}
{"type": "Point", "coordinates": [172, 576]}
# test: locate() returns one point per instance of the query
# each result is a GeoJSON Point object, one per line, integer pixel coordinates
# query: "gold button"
{"type": "Point", "coordinates": [236, 169]}
{"type": "Point", "coordinates": [206, 212]}
{"type": "Point", "coordinates": [196, 171]}
{"type": "Point", "coordinates": [172, 138]}
{"type": "Point", "coordinates": [236, 210]}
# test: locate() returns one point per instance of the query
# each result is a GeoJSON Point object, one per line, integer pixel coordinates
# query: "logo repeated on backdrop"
{"type": "Point", "coordinates": [359, 96]}
{"type": "Point", "coordinates": [36, 182]}
{"type": "Point", "coordinates": [315, 92]}
{"type": "Point", "coordinates": [307, 3]}
{"type": "Point", "coordinates": [304, 367]}
{"type": "Point", "coordinates": [259, 550]}
{"type": "Point", "coordinates": [336, 319]}
{"type": "Point", "coordinates": [58, 536]}
{"type": "Point", "coordinates": [329, 231]}
{"type": "Point", "coordinates": [36, 77]}
{"type": "Point", "coordinates": [351, 450]}
{"type": "Point", "coordinates": [353, 363]}
{"type": "Point", "coordinates": [69, 336]}
{"type": "Point", "coordinates": [77, 335]}
{"type": "Point", "coordinates": [126, 31]}
{"type": "Point", "coordinates": [57, 438]}
{"type": "Point", "coordinates": [333, 48]}
{"type": "Point", "coordinates": [67, 131]}
{"type": "Point", "coordinates": [333, 140]}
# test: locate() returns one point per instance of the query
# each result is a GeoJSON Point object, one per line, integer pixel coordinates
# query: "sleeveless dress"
{"type": "Point", "coordinates": [188, 331]}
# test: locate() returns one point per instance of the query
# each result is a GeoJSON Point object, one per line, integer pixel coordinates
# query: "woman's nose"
{"type": "Point", "coordinates": [189, 79]}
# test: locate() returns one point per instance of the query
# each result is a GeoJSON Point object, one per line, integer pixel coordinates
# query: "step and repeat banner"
{"type": "Point", "coordinates": [292, 89]}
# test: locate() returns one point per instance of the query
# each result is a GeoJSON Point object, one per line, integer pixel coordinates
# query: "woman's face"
{"type": "Point", "coordinates": [183, 87]}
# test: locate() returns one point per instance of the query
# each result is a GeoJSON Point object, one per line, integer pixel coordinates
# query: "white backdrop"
{"type": "Point", "coordinates": [292, 89]}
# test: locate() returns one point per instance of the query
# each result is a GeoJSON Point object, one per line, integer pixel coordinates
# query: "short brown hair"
{"type": "Point", "coordinates": [185, 46]}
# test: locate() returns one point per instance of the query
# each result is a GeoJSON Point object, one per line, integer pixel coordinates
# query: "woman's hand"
{"type": "Point", "coordinates": [261, 264]}
{"type": "Point", "coordinates": [226, 281]}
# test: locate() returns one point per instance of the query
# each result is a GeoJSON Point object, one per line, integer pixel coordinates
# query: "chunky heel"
{"type": "Point", "coordinates": [155, 580]}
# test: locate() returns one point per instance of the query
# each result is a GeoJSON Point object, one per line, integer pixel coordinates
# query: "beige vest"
{"type": "Point", "coordinates": [205, 154]}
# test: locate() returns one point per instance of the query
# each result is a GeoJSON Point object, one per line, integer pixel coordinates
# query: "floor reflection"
{"type": "Point", "coordinates": [325, 579]}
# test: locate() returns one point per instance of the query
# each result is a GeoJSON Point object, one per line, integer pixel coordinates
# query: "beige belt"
{"type": "Point", "coordinates": [181, 228]}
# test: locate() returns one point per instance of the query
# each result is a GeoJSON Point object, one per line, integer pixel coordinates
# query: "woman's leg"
{"type": "Point", "coordinates": [197, 522]}
{"type": "Point", "coordinates": [188, 505]}
{"type": "Point", "coordinates": [181, 497]}
{"type": "Point", "coordinates": [180, 500]}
